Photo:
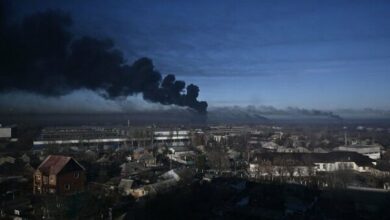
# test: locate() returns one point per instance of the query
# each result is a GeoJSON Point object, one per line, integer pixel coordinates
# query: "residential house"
{"type": "Point", "coordinates": [148, 160]}
{"type": "Point", "coordinates": [59, 175]}
{"type": "Point", "coordinates": [182, 155]}
{"type": "Point", "coordinates": [166, 182]}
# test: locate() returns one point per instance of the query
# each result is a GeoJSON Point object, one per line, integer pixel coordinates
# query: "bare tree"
{"type": "Point", "coordinates": [218, 159]}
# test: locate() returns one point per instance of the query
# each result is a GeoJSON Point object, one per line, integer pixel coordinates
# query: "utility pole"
{"type": "Point", "coordinates": [170, 163]}
{"type": "Point", "coordinates": [110, 213]}
{"type": "Point", "coordinates": [248, 152]}
{"type": "Point", "coordinates": [345, 136]}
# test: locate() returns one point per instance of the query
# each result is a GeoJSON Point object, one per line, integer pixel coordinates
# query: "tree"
{"type": "Point", "coordinates": [200, 162]}
{"type": "Point", "coordinates": [218, 160]}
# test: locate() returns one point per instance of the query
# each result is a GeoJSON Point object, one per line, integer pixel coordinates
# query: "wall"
{"type": "Point", "coordinates": [76, 184]}
{"type": "Point", "coordinates": [5, 132]}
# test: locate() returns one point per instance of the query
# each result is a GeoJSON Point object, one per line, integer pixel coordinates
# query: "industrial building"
{"type": "Point", "coordinates": [172, 137]}
{"type": "Point", "coordinates": [94, 136]}
{"type": "Point", "coordinates": [89, 136]}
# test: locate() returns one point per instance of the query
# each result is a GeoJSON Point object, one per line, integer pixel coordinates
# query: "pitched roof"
{"type": "Point", "coordinates": [146, 156]}
{"type": "Point", "coordinates": [310, 158]}
{"type": "Point", "coordinates": [53, 164]}
{"type": "Point", "coordinates": [126, 184]}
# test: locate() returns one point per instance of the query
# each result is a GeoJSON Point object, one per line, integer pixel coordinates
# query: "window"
{"type": "Point", "coordinates": [67, 186]}
{"type": "Point", "coordinates": [45, 180]}
{"type": "Point", "coordinates": [52, 179]}
{"type": "Point", "coordinates": [76, 175]}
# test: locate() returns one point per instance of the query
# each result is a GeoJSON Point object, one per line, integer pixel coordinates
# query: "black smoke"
{"type": "Point", "coordinates": [313, 112]}
{"type": "Point", "coordinates": [40, 55]}
{"type": "Point", "coordinates": [257, 112]}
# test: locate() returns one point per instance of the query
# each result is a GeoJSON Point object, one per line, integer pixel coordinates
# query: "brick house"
{"type": "Point", "coordinates": [59, 175]}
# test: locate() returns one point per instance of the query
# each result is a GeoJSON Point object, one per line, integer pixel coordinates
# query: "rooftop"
{"type": "Point", "coordinates": [54, 164]}
{"type": "Point", "coordinates": [300, 159]}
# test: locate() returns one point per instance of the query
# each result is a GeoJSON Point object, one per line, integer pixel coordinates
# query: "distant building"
{"type": "Point", "coordinates": [8, 133]}
{"type": "Point", "coordinates": [229, 130]}
{"type": "Point", "coordinates": [5, 132]}
{"type": "Point", "coordinates": [371, 151]}
{"type": "Point", "coordinates": [7, 159]}
{"type": "Point", "coordinates": [148, 160]}
{"type": "Point", "coordinates": [308, 164]}
{"type": "Point", "coordinates": [166, 182]}
{"type": "Point", "coordinates": [138, 153]}
{"type": "Point", "coordinates": [180, 150]}
{"type": "Point", "coordinates": [269, 145]}
{"type": "Point", "coordinates": [133, 168]}
{"type": "Point", "coordinates": [320, 150]}
{"type": "Point", "coordinates": [59, 175]}
{"type": "Point", "coordinates": [219, 138]}
{"type": "Point", "coordinates": [173, 138]}
{"type": "Point", "coordinates": [283, 149]}
{"type": "Point", "coordinates": [182, 155]}
{"type": "Point", "coordinates": [75, 136]}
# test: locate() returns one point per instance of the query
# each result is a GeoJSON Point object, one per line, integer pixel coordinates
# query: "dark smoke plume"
{"type": "Point", "coordinates": [253, 112]}
{"type": "Point", "coordinates": [40, 56]}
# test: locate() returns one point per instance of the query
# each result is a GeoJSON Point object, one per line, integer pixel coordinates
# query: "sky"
{"type": "Point", "coordinates": [307, 54]}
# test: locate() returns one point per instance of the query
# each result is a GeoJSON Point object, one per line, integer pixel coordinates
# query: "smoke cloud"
{"type": "Point", "coordinates": [40, 56]}
{"type": "Point", "coordinates": [252, 112]}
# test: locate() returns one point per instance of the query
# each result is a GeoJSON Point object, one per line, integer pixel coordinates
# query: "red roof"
{"type": "Point", "coordinates": [53, 164]}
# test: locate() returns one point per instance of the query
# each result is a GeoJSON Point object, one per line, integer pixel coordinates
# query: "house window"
{"type": "Point", "coordinates": [76, 175]}
{"type": "Point", "coordinates": [45, 180]}
{"type": "Point", "coordinates": [52, 179]}
{"type": "Point", "coordinates": [67, 186]}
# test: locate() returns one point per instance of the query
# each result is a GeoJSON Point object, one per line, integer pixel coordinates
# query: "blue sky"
{"type": "Point", "coordinates": [308, 54]}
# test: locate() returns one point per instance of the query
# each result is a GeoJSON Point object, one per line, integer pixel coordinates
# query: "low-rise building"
{"type": "Point", "coordinates": [182, 155]}
{"type": "Point", "coordinates": [59, 175]}
{"type": "Point", "coordinates": [8, 133]}
{"type": "Point", "coordinates": [372, 151]}
{"type": "Point", "coordinates": [283, 149]}
{"type": "Point", "coordinates": [308, 164]}
{"type": "Point", "coordinates": [166, 182]}
{"type": "Point", "coordinates": [5, 132]}
{"type": "Point", "coordinates": [148, 160]}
